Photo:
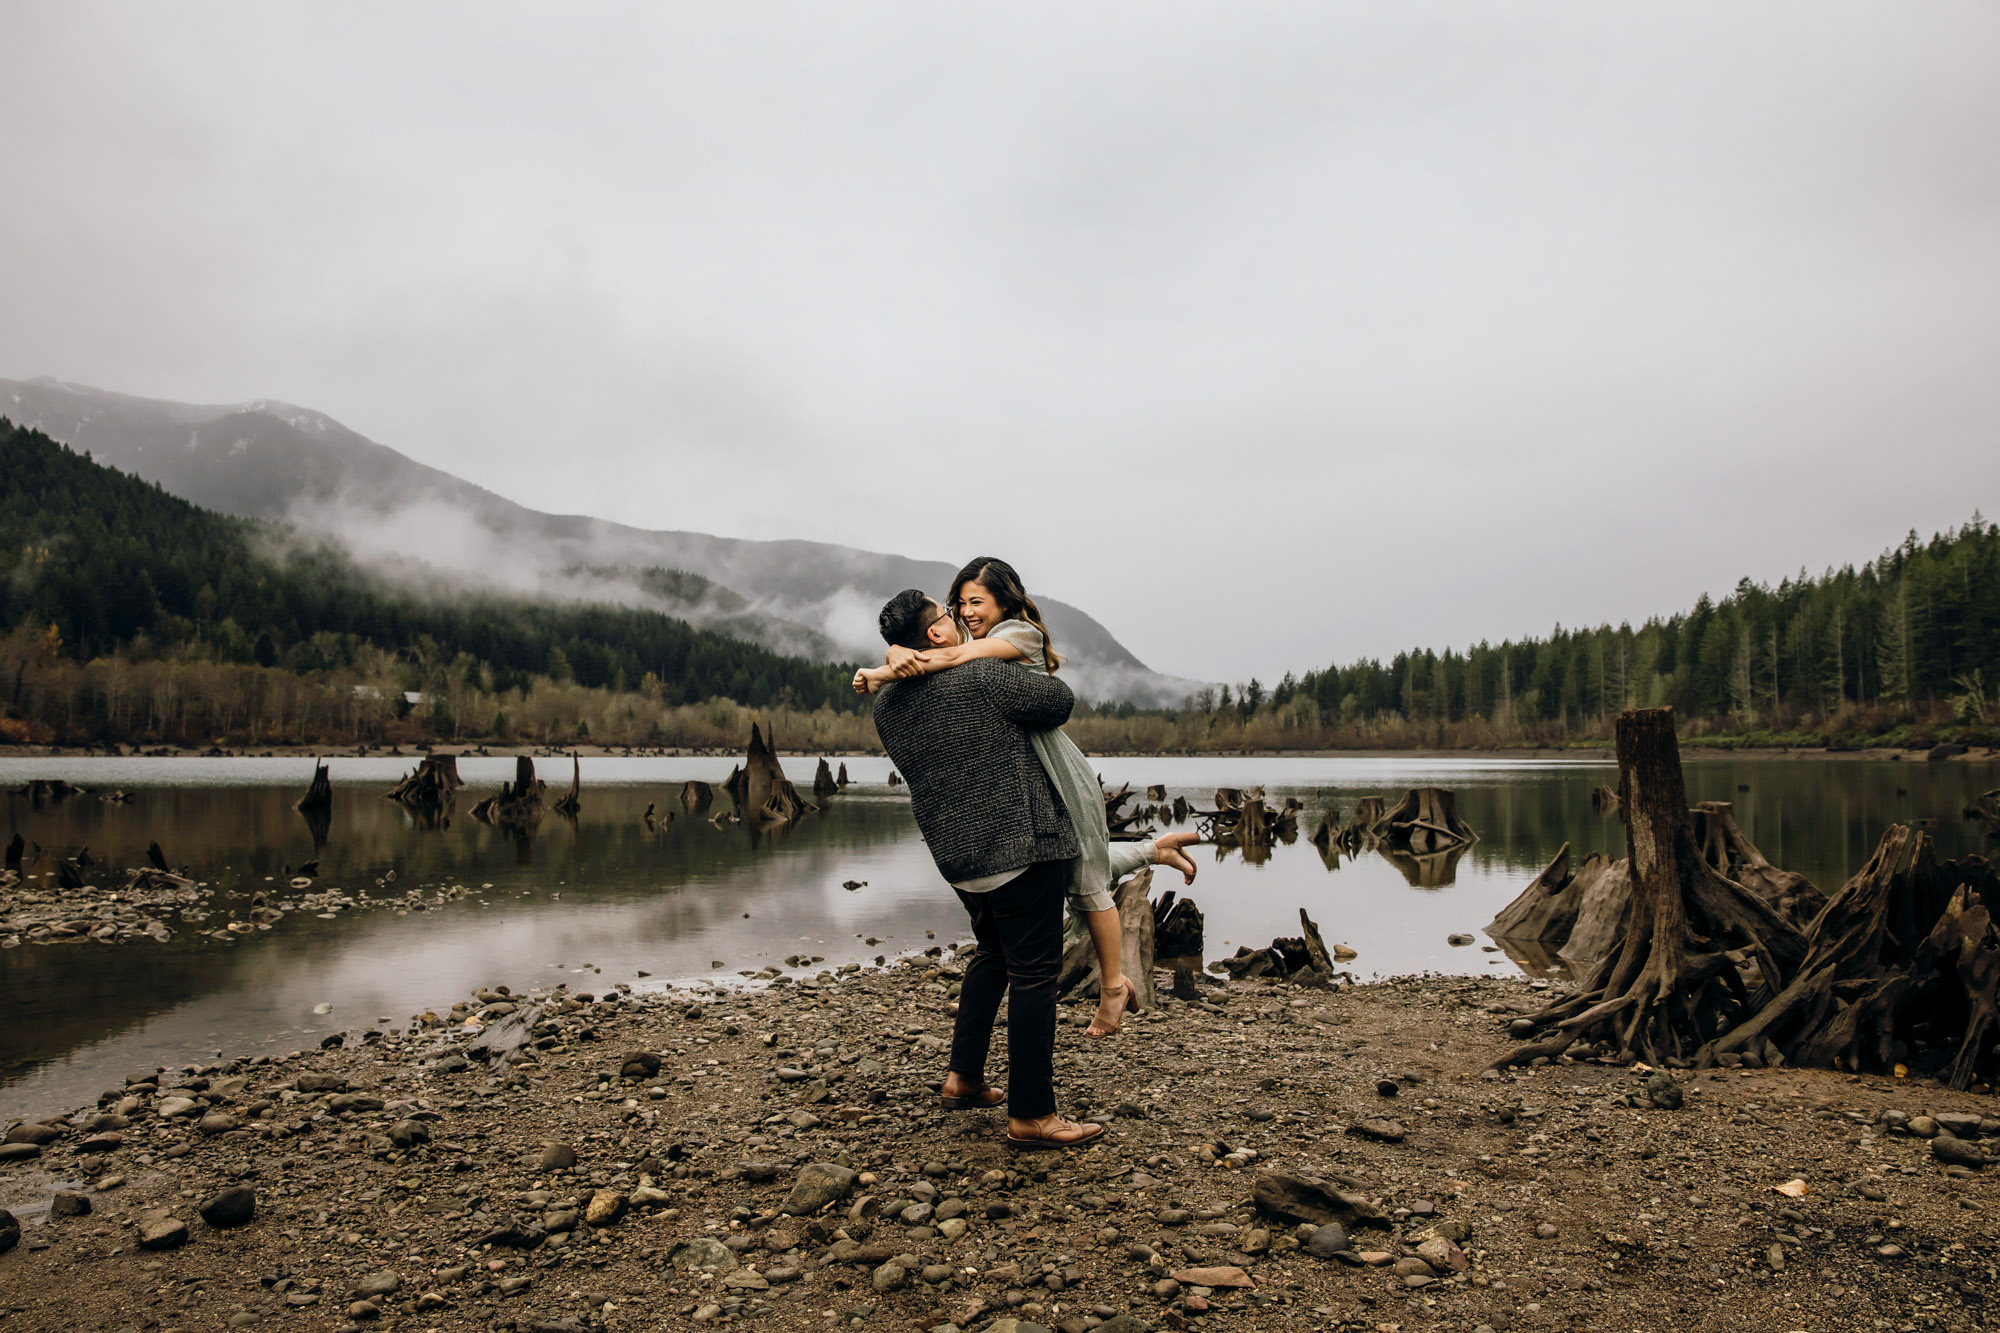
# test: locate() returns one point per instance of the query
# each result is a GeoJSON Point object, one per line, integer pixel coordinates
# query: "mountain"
{"type": "Point", "coordinates": [276, 461]}
{"type": "Point", "coordinates": [111, 563]}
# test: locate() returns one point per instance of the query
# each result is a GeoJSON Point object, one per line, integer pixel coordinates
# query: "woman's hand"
{"type": "Point", "coordinates": [865, 683]}
{"type": "Point", "coordinates": [904, 663]}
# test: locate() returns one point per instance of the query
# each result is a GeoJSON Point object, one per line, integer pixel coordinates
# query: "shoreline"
{"type": "Point", "coordinates": [1692, 752]}
{"type": "Point", "coordinates": [570, 1160]}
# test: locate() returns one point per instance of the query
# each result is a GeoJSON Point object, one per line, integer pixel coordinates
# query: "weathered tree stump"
{"type": "Point", "coordinates": [1327, 834]}
{"type": "Point", "coordinates": [1545, 910]}
{"type": "Point", "coordinates": [696, 796]}
{"type": "Point", "coordinates": [1603, 910]}
{"type": "Point", "coordinates": [841, 780]}
{"type": "Point", "coordinates": [1675, 980]}
{"type": "Point", "coordinates": [761, 791]}
{"type": "Point", "coordinates": [1604, 799]}
{"type": "Point", "coordinates": [1177, 927]}
{"type": "Point", "coordinates": [517, 803]}
{"type": "Point", "coordinates": [1729, 853]}
{"type": "Point", "coordinates": [571, 801]}
{"type": "Point", "coordinates": [1315, 946]}
{"type": "Point", "coordinates": [319, 792]}
{"type": "Point", "coordinates": [1135, 923]}
{"type": "Point", "coordinates": [430, 784]}
{"type": "Point", "coordinates": [1157, 792]}
{"type": "Point", "coordinates": [824, 783]}
{"type": "Point", "coordinates": [1425, 820]}
{"type": "Point", "coordinates": [1180, 809]}
{"type": "Point", "coordinates": [895, 778]}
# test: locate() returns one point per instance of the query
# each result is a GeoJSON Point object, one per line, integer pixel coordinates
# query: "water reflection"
{"type": "Point", "coordinates": [676, 896]}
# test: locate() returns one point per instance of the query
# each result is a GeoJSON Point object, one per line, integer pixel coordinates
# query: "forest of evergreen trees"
{"type": "Point", "coordinates": [100, 567]}
{"type": "Point", "coordinates": [1902, 650]}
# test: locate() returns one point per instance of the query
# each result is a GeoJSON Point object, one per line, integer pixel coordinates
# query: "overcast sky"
{"type": "Point", "coordinates": [1270, 334]}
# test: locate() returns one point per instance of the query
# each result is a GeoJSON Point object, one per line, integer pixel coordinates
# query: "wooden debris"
{"type": "Point", "coordinates": [319, 793]}
{"type": "Point", "coordinates": [571, 801]}
{"type": "Point", "coordinates": [1177, 927]}
{"type": "Point", "coordinates": [1729, 853]}
{"type": "Point", "coordinates": [519, 802]}
{"type": "Point", "coordinates": [761, 792]}
{"type": "Point", "coordinates": [430, 784]}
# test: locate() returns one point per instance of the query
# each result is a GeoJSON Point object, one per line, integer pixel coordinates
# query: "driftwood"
{"type": "Point", "coordinates": [1425, 820]}
{"type": "Point", "coordinates": [824, 783]}
{"type": "Point", "coordinates": [1575, 915]}
{"type": "Point", "coordinates": [430, 784]}
{"type": "Point", "coordinates": [571, 801]}
{"type": "Point", "coordinates": [1135, 923]}
{"type": "Point", "coordinates": [1698, 952]}
{"type": "Point", "coordinates": [1315, 946]}
{"type": "Point", "coordinates": [319, 793]}
{"type": "Point", "coordinates": [519, 802]}
{"type": "Point", "coordinates": [696, 796]}
{"type": "Point", "coordinates": [1731, 854]}
{"type": "Point", "coordinates": [760, 789]}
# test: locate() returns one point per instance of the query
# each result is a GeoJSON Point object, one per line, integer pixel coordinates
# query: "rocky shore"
{"type": "Point", "coordinates": [1279, 1157]}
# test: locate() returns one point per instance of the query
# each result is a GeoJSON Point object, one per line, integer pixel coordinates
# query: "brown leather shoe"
{"type": "Point", "coordinates": [1053, 1132]}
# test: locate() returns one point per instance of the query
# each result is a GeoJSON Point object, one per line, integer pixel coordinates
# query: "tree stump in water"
{"type": "Point", "coordinates": [824, 783]}
{"type": "Point", "coordinates": [895, 778]}
{"type": "Point", "coordinates": [841, 781]}
{"type": "Point", "coordinates": [518, 802]}
{"type": "Point", "coordinates": [1180, 809]}
{"type": "Point", "coordinates": [696, 796]}
{"type": "Point", "coordinates": [1425, 820]}
{"type": "Point", "coordinates": [430, 784]}
{"type": "Point", "coordinates": [1545, 910]}
{"type": "Point", "coordinates": [1675, 980]}
{"type": "Point", "coordinates": [1157, 792]}
{"type": "Point", "coordinates": [1368, 813]}
{"type": "Point", "coordinates": [1327, 834]}
{"type": "Point", "coordinates": [760, 789]}
{"type": "Point", "coordinates": [1730, 853]}
{"type": "Point", "coordinates": [571, 801]}
{"type": "Point", "coordinates": [1603, 909]}
{"type": "Point", "coordinates": [1602, 798]}
{"type": "Point", "coordinates": [319, 793]}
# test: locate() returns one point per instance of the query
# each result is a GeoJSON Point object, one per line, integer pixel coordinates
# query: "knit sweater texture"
{"type": "Point", "coordinates": [979, 794]}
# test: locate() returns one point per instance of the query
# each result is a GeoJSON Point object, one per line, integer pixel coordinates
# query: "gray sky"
{"type": "Point", "coordinates": [1269, 334]}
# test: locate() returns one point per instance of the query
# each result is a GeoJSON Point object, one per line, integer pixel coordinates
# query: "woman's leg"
{"type": "Point", "coordinates": [1113, 992]}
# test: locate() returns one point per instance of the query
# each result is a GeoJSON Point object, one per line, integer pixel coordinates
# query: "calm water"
{"type": "Point", "coordinates": [599, 901]}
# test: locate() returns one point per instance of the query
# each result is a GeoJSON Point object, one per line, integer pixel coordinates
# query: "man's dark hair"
{"type": "Point", "coordinates": [906, 618]}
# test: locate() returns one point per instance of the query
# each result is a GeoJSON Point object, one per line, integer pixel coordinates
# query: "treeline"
{"type": "Point", "coordinates": [100, 567]}
{"type": "Point", "coordinates": [1902, 650]}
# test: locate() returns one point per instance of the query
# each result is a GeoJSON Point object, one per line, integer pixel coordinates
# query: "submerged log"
{"type": "Point", "coordinates": [696, 796]}
{"type": "Point", "coordinates": [319, 793]}
{"type": "Point", "coordinates": [571, 801]}
{"type": "Point", "coordinates": [1425, 820]}
{"type": "Point", "coordinates": [824, 783]}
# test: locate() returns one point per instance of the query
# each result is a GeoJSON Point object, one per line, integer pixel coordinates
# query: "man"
{"type": "Point", "coordinates": [1001, 837]}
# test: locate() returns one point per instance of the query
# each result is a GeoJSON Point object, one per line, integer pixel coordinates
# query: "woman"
{"type": "Point", "coordinates": [999, 620]}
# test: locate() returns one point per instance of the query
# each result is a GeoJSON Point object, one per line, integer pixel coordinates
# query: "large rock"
{"type": "Point", "coordinates": [320, 1083]}
{"type": "Point", "coordinates": [234, 1207]}
{"type": "Point", "coordinates": [384, 1282]}
{"type": "Point", "coordinates": [161, 1232]}
{"type": "Point", "coordinates": [639, 1064]}
{"type": "Point", "coordinates": [704, 1254]}
{"type": "Point", "coordinates": [606, 1207]}
{"type": "Point", "coordinates": [1957, 1152]}
{"type": "Point", "coordinates": [10, 1231]}
{"type": "Point", "coordinates": [68, 1203]}
{"type": "Point", "coordinates": [1311, 1199]}
{"type": "Point", "coordinates": [1328, 1241]}
{"type": "Point", "coordinates": [1664, 1092]}
{"type": "Point", "coordinates": [19, 1152]}
{"type": "Point", "coordinates": [218, 1122]}
{"type": "Point", "coordinates": [817, 1186]}
{"type": "Point", "coordinates": [1443, 1256]}
{"type": "Point", "coordinates": [557, 1157]}
{"type": "Point", "coordinates": [43, 1135]}
{"type": "Point", "coordinates": [172, 1108]}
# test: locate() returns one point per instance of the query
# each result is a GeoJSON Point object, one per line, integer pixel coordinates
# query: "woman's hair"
{"type": "Point", "coordinates": [906, 618]}
{"type": "Point", "coordinates": [1000, 579]}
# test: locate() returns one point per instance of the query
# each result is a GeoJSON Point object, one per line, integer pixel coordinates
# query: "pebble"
{"type": "Point", "coordinates": [68, 1203]}
{"type": "Point", "coordinates": [1923, 1127]}
{"type": "Point", "coordinates": [162, 1233]}
{"type": "Point", "coordinates": [816, 1186]}
{"type": "Point", "coordinates": [556, 1157]}
{"type": "Point", "coordinates": [1327, 1241]}
{"type": "Point", "coordinates": [1374, 1127]}
{"type": "Point", "coordinates": [1547, 1231]}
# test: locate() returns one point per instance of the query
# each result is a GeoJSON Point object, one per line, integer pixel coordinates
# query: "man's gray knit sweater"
{"type": "Point", "coordinates": [960, 739]}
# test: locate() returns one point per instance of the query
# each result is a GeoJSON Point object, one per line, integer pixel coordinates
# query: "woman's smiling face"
{"type": "Point", "coordinates": [978, 608]}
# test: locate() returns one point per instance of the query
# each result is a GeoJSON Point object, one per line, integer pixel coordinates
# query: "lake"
{"type": "Point", "coordinates": [602, 900]}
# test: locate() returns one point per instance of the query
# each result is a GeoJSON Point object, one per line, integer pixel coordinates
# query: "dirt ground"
{"type": "Point", "coordinates": [533, 1169]}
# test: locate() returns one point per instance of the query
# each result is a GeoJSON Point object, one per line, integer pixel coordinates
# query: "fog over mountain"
{"type": "Point", "coordinates": [278, 461]}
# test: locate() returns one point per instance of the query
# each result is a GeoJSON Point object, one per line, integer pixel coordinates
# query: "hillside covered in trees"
{"type": "Point", "coordinates": [128, 614]}
{"type": "Point", "coordinates": [1904, 649]}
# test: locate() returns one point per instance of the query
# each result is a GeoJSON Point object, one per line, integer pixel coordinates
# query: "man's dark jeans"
{"type": "Point", "coordinates": [1019, 927]}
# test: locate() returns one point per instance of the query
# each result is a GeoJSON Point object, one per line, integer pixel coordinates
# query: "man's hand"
{"type": "Point", "coordinates": [904, 663]}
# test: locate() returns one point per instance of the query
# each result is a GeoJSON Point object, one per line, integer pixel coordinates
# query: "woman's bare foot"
{"type": "Point", "coordinates": [1112, 1001]}
{"type": "Point", "coordinates": [1167, 852]}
